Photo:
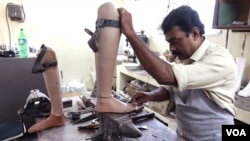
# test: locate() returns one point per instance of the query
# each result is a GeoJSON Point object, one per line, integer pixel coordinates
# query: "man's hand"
{"type": "Point", "coordinates": [126, 22]}
{"type": "Point", "coordinates": [159, 94]}
{"type": "Point", "coordinates": [140, 97]}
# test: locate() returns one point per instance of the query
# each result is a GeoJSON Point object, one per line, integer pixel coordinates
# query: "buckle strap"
{"type": "Point", "coordinates": [46, 65]}
{"type": "Point", "coordinates": [39, 67]}
{"type": "Point", "coordinates": [100, 24]}
{"type": "Point", "coordinates": [107, 23]}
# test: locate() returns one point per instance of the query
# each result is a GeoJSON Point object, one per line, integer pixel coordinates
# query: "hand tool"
{"type": "Point", "coordinates": [75, 116]}
{"type": "Point", "coordinates": [86, 118]}
{"type": "Point", "coordinates": [90, 126]}
{"type": "Point", "coordinates": [142, 127]}
{"type": "Point", "coordinates": [142, 116]}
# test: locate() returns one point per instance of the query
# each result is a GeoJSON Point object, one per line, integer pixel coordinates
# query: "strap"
{"type": "Point", "coordinates": [105, 96]}
{"type": "Point", "coordinates": [38, 67]}
{"type": "Point", "coordinates": [107, 23]}
{"type": "Point", "coordinates": [100, 24]}
{"type": "Point", "coordinates": [52, 64]}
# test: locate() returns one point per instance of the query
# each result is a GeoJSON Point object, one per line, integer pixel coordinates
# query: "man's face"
{"type": "Point", "coordinates": [180, 45]}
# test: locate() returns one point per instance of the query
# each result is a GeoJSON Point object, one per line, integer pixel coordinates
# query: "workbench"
{"type": "Point", "coordinates": [157, 130]}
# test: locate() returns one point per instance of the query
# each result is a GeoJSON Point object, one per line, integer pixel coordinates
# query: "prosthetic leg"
{"type": "Point", "coordinates": [46, 63]}
{"type": "Point", "coordinates": [109, 110]}
{"type": "Point", "coordinates": [107, 41]}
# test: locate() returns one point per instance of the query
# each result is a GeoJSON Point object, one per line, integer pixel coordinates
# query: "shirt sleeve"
{"type": "Point", "coordinates": [214, 69]}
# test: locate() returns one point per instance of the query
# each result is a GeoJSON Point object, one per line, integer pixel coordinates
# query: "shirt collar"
{"type": "Point", "coordinates": [199, 53]}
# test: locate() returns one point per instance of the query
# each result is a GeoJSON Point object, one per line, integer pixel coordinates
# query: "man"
{"type": "Point", "coordinates": [202, 84]}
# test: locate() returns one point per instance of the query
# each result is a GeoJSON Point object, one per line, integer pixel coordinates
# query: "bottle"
{"type": "Point", "coordinates": [23, 44]}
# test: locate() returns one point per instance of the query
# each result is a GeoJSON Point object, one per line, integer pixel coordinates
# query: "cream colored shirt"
{"type": "Point", "coordinates": [211, 68]}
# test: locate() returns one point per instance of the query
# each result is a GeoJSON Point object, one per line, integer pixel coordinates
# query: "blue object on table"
{"type": "Point", "coordinates": [11, 130]}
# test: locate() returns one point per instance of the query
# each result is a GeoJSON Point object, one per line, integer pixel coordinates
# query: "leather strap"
{"type": "Point", "coordinates": [38, 67]}
{"type": "Point", "coordinates": [100, 24]}
{"type": "Point", "coordinates": [107, 23]}
{"type": "Point", "coordinates": [105, 96]}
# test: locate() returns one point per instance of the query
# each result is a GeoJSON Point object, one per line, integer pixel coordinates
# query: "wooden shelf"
{"type": "Point", "coordinates": [228, 11]}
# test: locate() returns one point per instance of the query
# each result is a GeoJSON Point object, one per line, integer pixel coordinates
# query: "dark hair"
{"type": "Point", "coordinates": [184, 17]}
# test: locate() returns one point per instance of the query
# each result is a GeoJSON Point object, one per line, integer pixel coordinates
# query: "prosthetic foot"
{"type": "Point", "coordinates": [46, 63]}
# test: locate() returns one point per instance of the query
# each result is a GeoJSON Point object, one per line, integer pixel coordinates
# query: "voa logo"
{"type": "Point", "coordinates": [236, 132]}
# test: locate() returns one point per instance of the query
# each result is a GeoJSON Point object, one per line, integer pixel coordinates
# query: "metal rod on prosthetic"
{"type": "Point", "coordinates": [52, 82]}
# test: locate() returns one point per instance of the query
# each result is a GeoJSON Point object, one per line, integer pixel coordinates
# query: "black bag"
{"type": "Point", "coordinates": [37, 104]}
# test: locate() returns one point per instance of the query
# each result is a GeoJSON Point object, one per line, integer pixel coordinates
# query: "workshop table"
{"type": "Point", "coordinates": [157, 131]}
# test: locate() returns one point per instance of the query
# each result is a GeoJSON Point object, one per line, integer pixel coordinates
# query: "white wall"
{"type": "Point", "coordinates": [59, 24]}
{"type": "Point", "coordinates": [235, 41]}
{"type": "Point", "coordinates": [148, 15]}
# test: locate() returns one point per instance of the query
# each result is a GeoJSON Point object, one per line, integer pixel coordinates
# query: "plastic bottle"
{"type": "Point", "coordinates": [23, 44]}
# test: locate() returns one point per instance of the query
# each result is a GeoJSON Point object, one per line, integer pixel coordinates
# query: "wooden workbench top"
{"type": "Point", "coordinates": [156, 131]}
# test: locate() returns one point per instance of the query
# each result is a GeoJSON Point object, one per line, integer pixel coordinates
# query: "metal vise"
{"type": "Point", "coordinates": [116, 126]}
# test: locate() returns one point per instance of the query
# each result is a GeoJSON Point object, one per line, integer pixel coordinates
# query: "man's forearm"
{"type": "Point", "coordinates": [161, 71]}
{"type": "Point", "coordinates": [159, 94]}
{"type": "Point", "coordinates": [145, 56]}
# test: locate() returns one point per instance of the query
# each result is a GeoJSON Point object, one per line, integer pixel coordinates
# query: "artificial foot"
{"type": "Point", "coordinates": [51, 121]}
{"type": "Point", "coordinates": [113, 105]}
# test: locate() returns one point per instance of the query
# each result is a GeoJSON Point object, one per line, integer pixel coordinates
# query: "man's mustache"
{"type": "Point", "coordinates": [176, 53]}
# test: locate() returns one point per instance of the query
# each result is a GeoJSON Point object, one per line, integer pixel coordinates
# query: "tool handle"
{"type": "Point", "coordinates": [89, 126]}
{"type": "Point", "coordinates": [89, 117]}
{"type": "Point", "coordinates": [89, 31]}
{"type": "Point", "coordinates": [143, 116]}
